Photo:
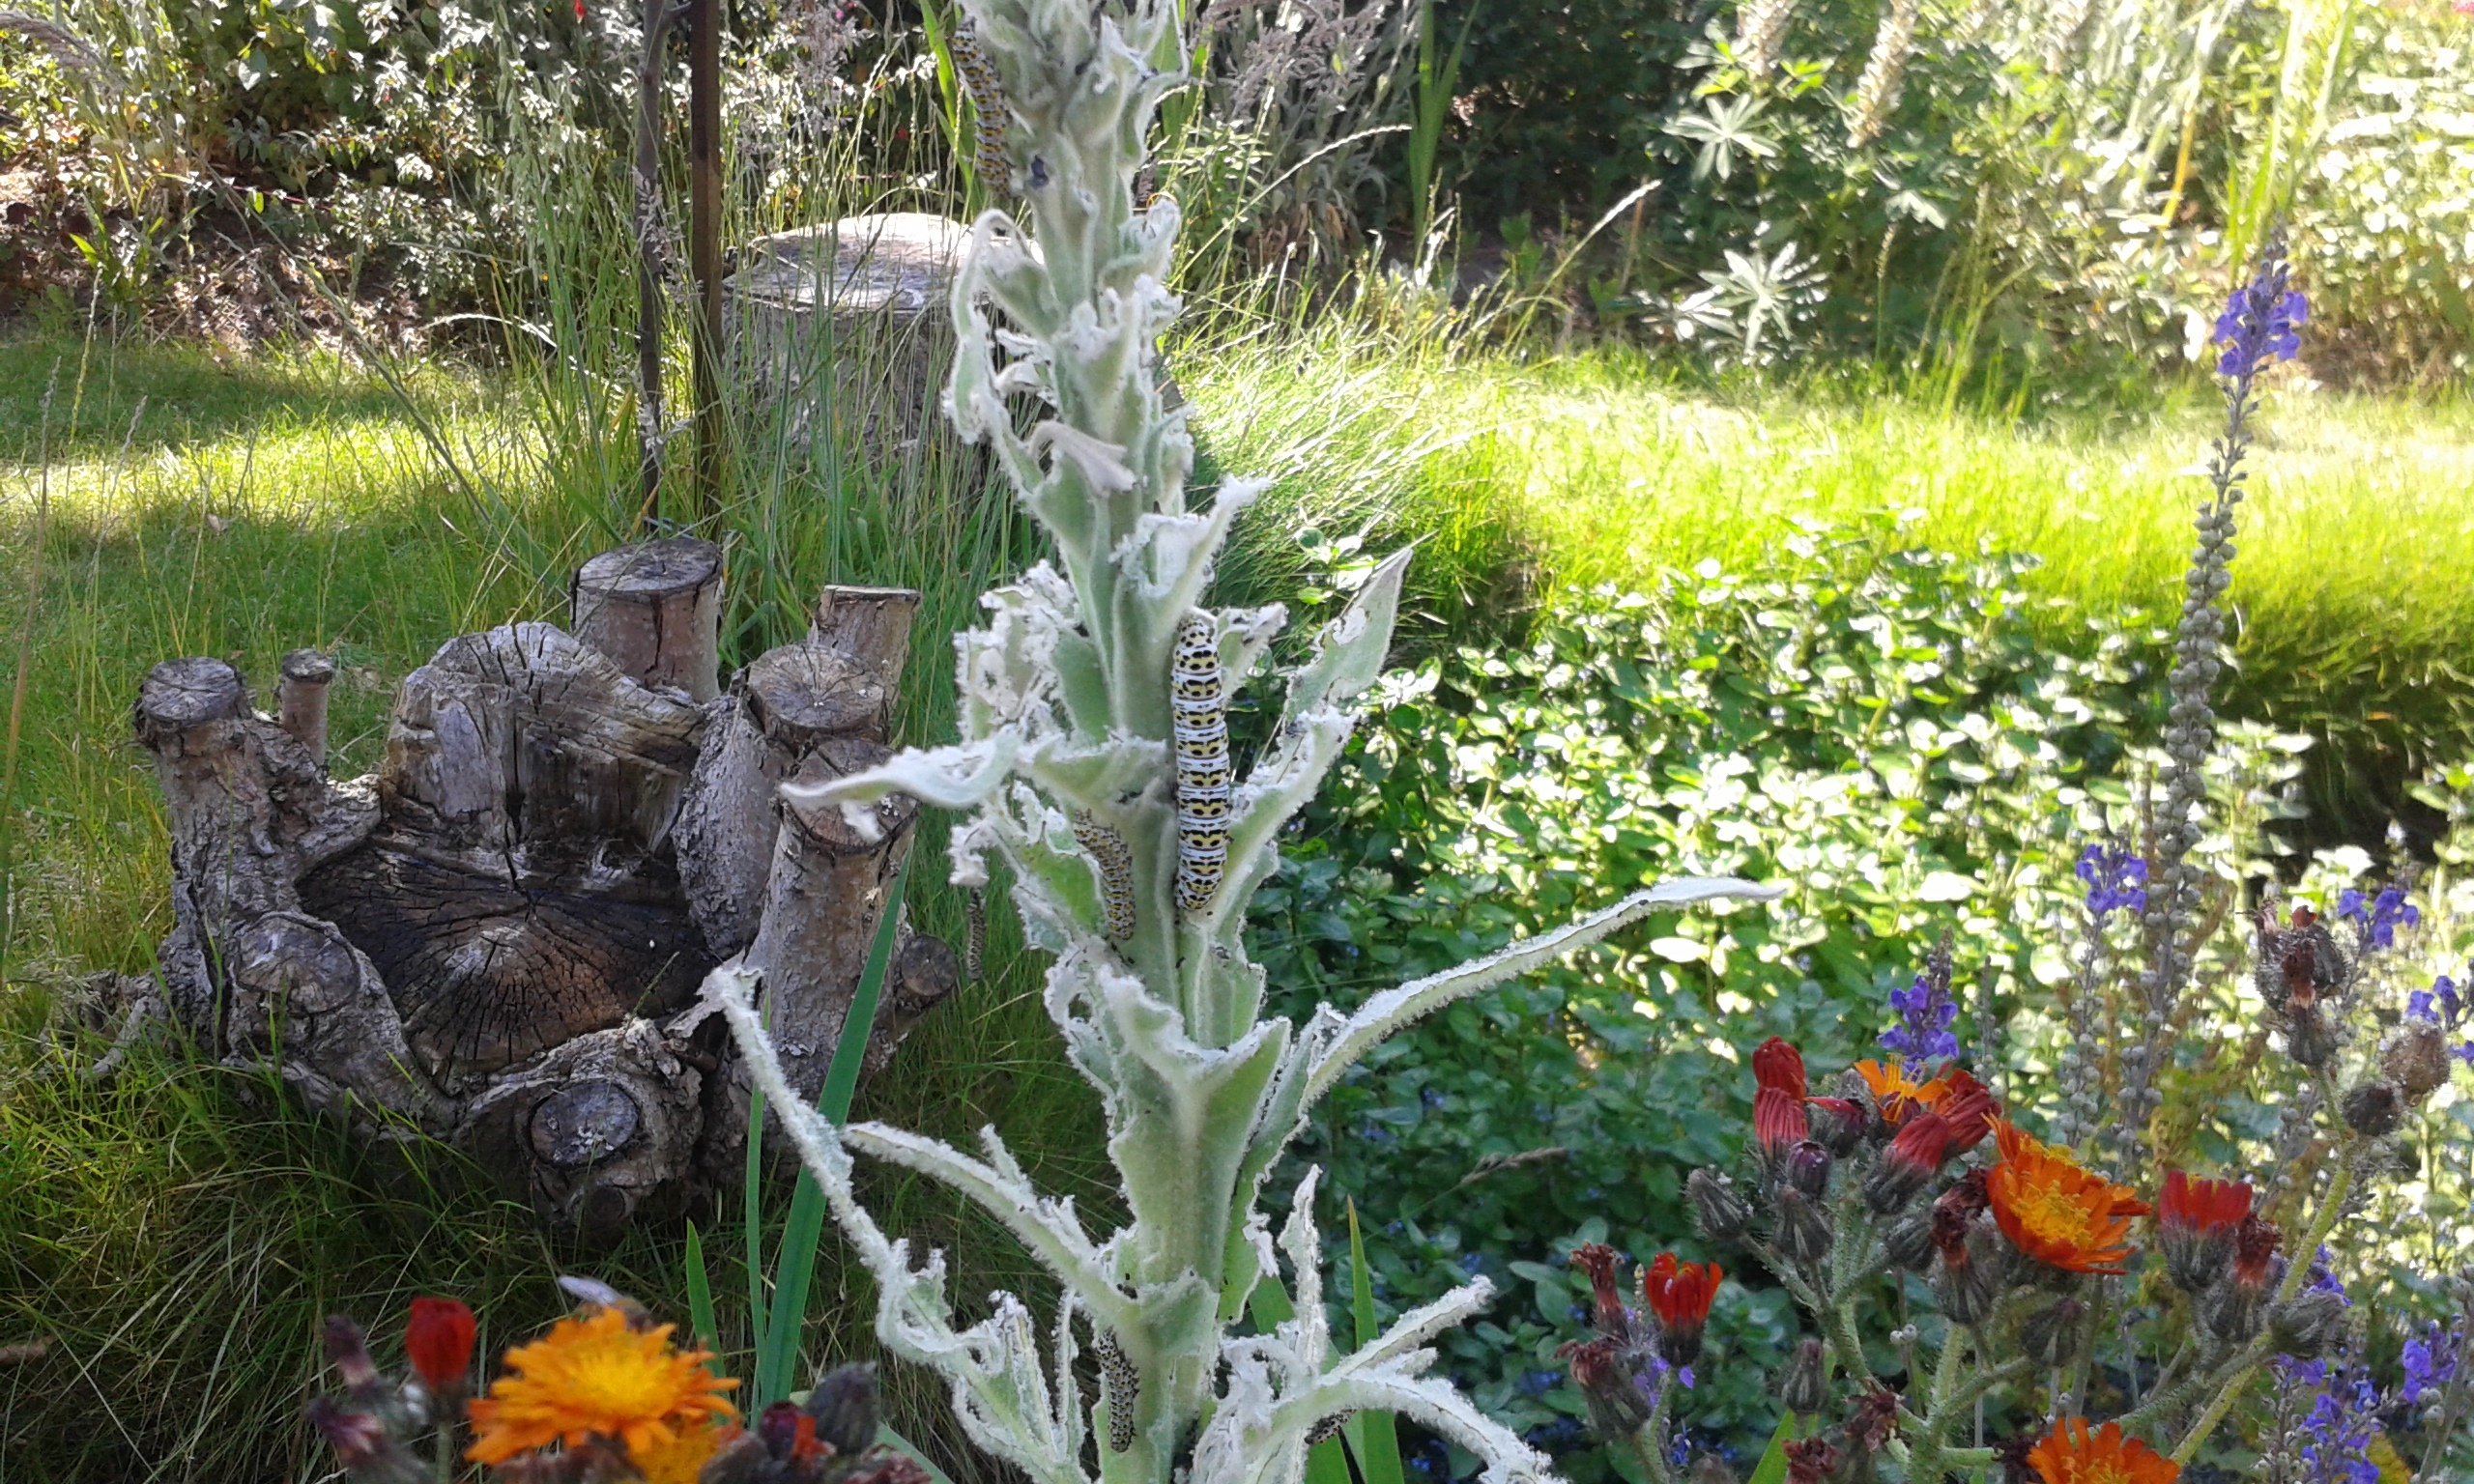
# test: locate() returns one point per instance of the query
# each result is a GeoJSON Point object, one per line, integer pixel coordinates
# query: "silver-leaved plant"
{"type": "Point", "coordinates": [1094, 761]}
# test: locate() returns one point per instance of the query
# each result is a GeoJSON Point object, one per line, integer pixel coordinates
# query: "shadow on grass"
{"type": "Point", "coordinates": [192, 393]}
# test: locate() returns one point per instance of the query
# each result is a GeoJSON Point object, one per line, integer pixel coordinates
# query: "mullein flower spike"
{"type": "Point", "coordinates": [1094, 698]}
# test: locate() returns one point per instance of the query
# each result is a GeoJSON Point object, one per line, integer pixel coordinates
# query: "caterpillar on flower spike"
{"type": "Point", "coordinates": [1121, 1386]}
{"type": "Point", "coordinates": [1116, 862]}
{"type": "Point", "coordinates": [988, 101]}
{"type": "Point", "coordinates": [1200, 729]}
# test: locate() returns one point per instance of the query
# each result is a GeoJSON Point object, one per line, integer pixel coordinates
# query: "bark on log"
{"type": "Point", "coordinates": [300, 700]}
{"type": "Point", "coordinates": [655, 609]}
{"type": "Point", "coordinates": [245, 969]}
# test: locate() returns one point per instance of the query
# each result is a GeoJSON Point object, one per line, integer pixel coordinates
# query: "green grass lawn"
{"type": "Point", "coordinates": [178, 1235]}
{"type": "Point", "coordinates": [2353, 619]}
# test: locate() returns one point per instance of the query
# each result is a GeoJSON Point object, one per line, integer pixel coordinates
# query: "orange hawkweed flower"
{"type": "Point", "coordinates": [682, 1459]}
{"type": "Point", "coordinates": [2195, 1225]}
{"type": "Point", "coordinates": [1896, 1091]}
{"type": "Point", "coordinates": [2074, 1454]}
{"type": "Point", "coordinates": [2056, 1210]}
{"type": "Point", "coordinates": [596, 1376]}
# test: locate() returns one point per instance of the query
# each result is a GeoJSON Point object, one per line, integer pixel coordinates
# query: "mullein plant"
{"type": "Point", "coordinates": [2103, 1312]}
{"type": "Point", "coordinates": [1095, 765]}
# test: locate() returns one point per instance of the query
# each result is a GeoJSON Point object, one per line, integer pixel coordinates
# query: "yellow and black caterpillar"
{"type": "Point", "coordinates": [1199, 728]}
{"type": "Point", "coordinates": [988, 101]}
{"type": "Point", "coordinates": [1120, 1386]}
{"type": "Point", "coordinates": [1107, 851]}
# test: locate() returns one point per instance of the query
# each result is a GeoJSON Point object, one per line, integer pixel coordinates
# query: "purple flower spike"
{"type": "Point", "coordinates": [1925, 1011]}
{"type": "Point", "coordinates": [2116, 879]}
{"type": "Point", "coordinates": [2261, 323]}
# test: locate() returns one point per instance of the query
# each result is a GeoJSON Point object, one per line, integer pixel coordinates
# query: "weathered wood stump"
{"type": "Point", "coordinates": [496, 938]}
{"type": "Point", "coordinates": [865, 295]}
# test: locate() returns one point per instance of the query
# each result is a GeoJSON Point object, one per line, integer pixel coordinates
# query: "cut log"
{"type": "Point", "coordinates": [245, 968]}
{"type": "Point", "coordinates": [655, 609]}
{"type": "Point", "coordinates": [595, 1133]}
{"type": "Point", "coordinates": [870, 627]}
{"type": "Point", "coordinates": [300, 700]}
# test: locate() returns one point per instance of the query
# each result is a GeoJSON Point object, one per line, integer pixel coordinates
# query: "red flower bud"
{"type": "Point", "coordinates": [1909, 1163]}
{"type": "Point", "coordinates": [1779, 1120]}
{"type": "Point", "coordinates": [1775, 1063]}
{"type": "Point", "coordinates": [437, 1339]}
{"type": "Point", "coordinates": [1679, 1294]}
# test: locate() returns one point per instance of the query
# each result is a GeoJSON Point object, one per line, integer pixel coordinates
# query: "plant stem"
{"type": "Point", "coordinates": [2339, 1187]}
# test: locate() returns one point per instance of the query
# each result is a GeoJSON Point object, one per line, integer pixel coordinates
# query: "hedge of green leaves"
{"type": "Point", "coordinates": [1882, 732]}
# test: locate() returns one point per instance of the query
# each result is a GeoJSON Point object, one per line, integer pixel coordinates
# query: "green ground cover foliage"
{"type": "Point", "coordinates": [1884, 731]}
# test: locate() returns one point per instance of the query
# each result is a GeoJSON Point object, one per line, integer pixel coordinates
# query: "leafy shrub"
{"type": "Point", "coordinates": [1880, 733]}
{"type": "Point", "coordinates": [2384, 224]}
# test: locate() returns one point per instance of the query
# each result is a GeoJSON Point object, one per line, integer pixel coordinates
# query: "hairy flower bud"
{"type": "Point", "coordinates": [438, 1341]}
{"type": "Point", "coordinates": [2308, 1038]}
{"type": "Point", "coordinates": [2371, 1109]}
{"type": "Point", "coordinates": [1909, 1243]}
{"type": "Point", "coordinates": [2050, 1335]}
{"type": "Point", "coordinates": [844, 1405]}
{"type": "Point", "coordinates": [1808, 1168]}
{"type": "Point", "coordinates": [1718, 1213]}
{"type": "Point", "coordinates": [360, 1440]}
{"type": "Point", "coordinates": [348, 1355]}
{"type": "Point", "coordinates": [1970, 1275]}
{"type": "Point", "coordinates": [1838, 1123]}
{"type": "Point", "coordinates": [1804, 1232]}
{"type": "Point", "coordinates": [2195, 1223]}
{"type": "Point", "coordinates": [1804, 1386]}
{"type": "Point", "coordinates": [2305, 1324]}
{"type": "Point", "coordinates": [1617, 1409]}
{"type": "Point", "coordinates": [2415, 1058]}
{"type": "Point", "coordinates": [1908, 1163]}
{"type": "Point", "coordinates": [2230, 1311]}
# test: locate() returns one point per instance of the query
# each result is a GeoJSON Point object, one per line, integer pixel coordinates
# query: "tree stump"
{"type": "Point", "coordinates": [864, 296]}
{"type": "Point", "coordinates": [493, 938]}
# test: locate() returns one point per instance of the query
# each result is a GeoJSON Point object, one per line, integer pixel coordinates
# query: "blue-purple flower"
{"type": "Point", "coordinates": [2377, 918]}
{"type": "Point", "coordinates": [1925, 1011]}
{"type": "Point", "coordinates": [2428, 1361]}
{"type": "Point", "coordinates": [2116, 878]}
{"type": "Point", "coordinates": [2442, 1006]}
{"type": "Point", "coordinates": [2261, 323]}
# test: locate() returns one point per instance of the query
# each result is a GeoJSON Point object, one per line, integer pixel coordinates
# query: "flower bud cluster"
{"type": "Point", "coordinates": [1624, 1369]}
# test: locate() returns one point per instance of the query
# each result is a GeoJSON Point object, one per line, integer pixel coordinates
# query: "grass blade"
{"type": "Point", "coordinates": [887, 1437]}
{"type": "Point", "coordinates": [1773, 1468]}
{"type": "Point", "coordinates": [1375, 1438]}
{"type": "Point", "coordinates": [1269, 1305]}
{"type": "Point", "coordinates": [699, 1301]}
{"type": "Point", "coordinates": [794, 1261]}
